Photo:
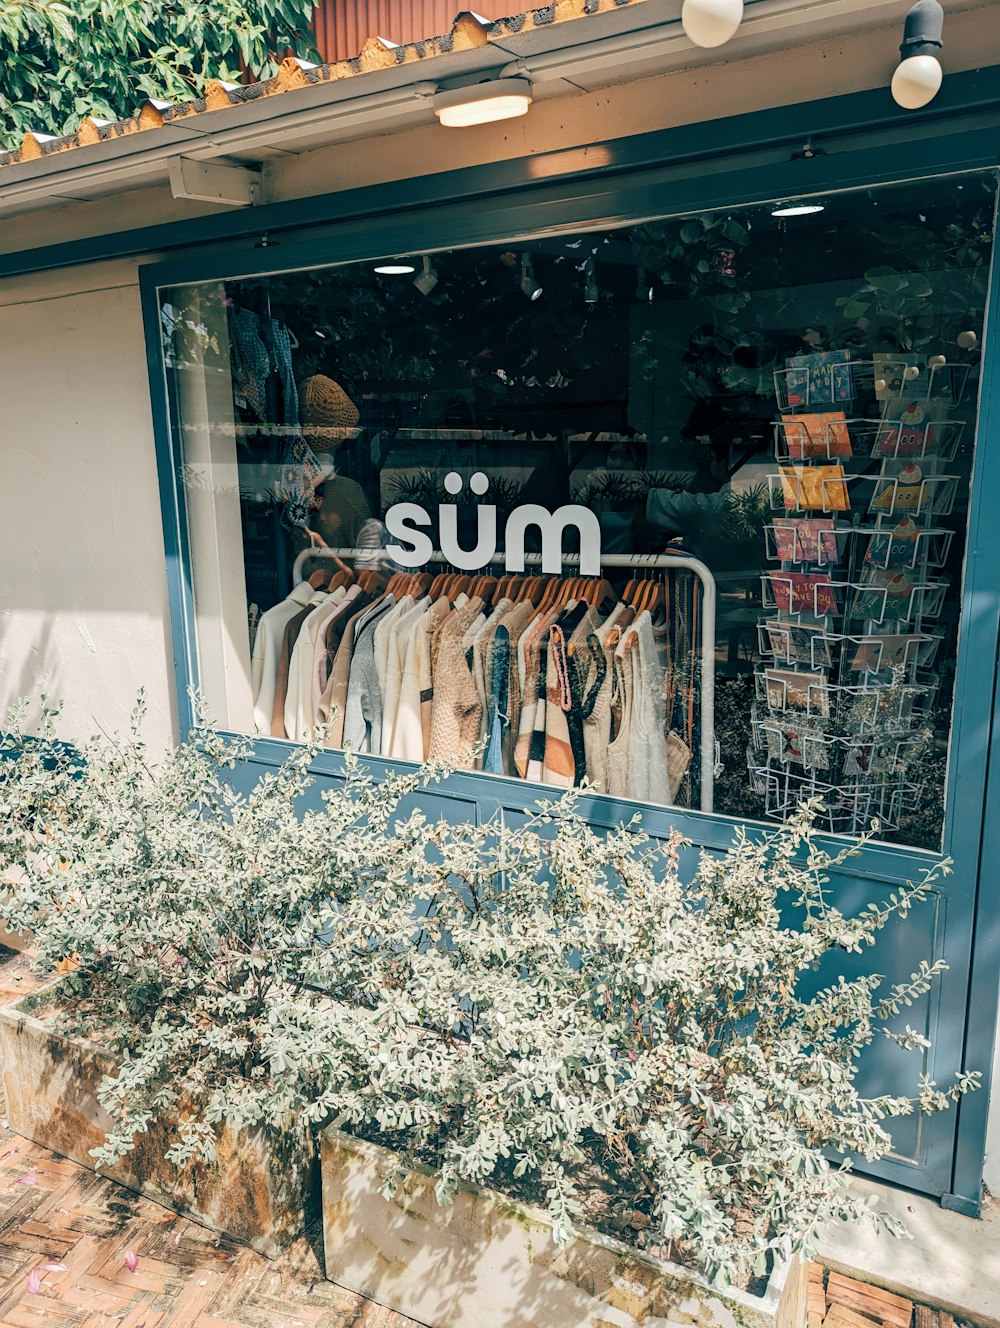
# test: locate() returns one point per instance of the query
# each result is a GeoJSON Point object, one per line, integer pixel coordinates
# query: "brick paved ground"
{"type": "Point", "coordinates": [68, 1241]}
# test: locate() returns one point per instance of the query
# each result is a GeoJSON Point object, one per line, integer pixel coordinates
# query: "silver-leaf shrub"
{"type": "Point", "coordinates": [541, 1006]}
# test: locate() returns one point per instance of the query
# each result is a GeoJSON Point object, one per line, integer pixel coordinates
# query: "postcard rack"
{"type": "Point", "coordinates": [857, 547]}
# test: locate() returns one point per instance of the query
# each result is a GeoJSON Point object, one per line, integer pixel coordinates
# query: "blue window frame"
{"type": "Point", "coordinates": [856, 142]}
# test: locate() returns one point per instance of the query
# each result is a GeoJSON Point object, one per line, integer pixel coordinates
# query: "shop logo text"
{"type": "Point", "coordinates": [404, 522]}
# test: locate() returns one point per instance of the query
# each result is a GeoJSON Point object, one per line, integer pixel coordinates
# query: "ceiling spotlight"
{"type": "Point", "coordinates": [529, 285]}
{"type": "Point", "coordinates": [428, 278]}
{"type": "Point", "coordinates": [591, 293]}
{"type": "Point", "coordinates": [711, 22]}
{"type": "Point", "coordinates": [482, 103]}
{"type": "Point", "coordinates": [395, 267]}
{"type": "Point", "coordinates": [918, 75]}
{"type": "Point", "coordinates": [797, 209]}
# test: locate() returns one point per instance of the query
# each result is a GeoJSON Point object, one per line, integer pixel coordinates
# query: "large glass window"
{"type": "Point", "coordinates": [482, 505]}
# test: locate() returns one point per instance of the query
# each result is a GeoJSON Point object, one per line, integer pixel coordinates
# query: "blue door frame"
{"type": "Point", "coordinates": [857, 141]}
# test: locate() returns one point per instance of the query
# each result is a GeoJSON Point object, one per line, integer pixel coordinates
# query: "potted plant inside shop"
{"type": "Point", "coordinates": [560, 1076]}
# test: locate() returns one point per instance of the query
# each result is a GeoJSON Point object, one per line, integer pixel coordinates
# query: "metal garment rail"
{"type": "Point", "coordinates": [677, 561]}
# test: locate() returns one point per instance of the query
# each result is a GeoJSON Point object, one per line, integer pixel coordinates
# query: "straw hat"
{"type": "Point", "coordinates": [326, 408]}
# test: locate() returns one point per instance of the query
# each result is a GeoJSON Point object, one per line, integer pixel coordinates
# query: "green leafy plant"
{"type": "Point", "coordinates": [104, 57]}
{"type": "Point", "coordinates": [584, 1019]}
{"type": "Point", "coordinates": [745, 513]}
{"type": "Point", "coordinates": [933, 284]}
{"type": "Point", "coordinates": [698, 258]}
{"type": "Point", "coordinates": [627, 487]}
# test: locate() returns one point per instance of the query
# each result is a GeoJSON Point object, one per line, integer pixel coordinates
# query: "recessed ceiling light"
{"type": "Point", "coordinates": [482, 103]}
{"type": "Point", "coordinates": [398, 269]}
{"type": "Point", "coordinates": [797, 209]}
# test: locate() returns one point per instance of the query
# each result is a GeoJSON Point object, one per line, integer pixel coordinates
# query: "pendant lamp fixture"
{"type": "Point", "coordinates": [711, 22]}
{"type": "Point", "coordinates": [918, 76]}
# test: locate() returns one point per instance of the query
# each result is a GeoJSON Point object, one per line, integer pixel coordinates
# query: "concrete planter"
{"type": "Point", "coordinates": [487, 1262]}
{"type": "Point", "coordinates": [255, 1191]}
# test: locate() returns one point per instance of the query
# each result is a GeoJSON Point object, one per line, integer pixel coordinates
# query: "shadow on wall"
{"type": "Point", "coordinates": [29, 667]}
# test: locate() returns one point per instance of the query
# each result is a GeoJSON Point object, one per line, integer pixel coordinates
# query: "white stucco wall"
{"type": "Point", "coordinates": [83, 604]}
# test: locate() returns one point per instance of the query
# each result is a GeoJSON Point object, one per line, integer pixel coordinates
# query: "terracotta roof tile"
{"type": "Point", "coordinates": [468, 32]}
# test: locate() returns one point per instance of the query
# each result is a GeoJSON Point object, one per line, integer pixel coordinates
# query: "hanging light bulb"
{"type": "Point", "coordinates": [427, 279]}
{"type": "Point", "coordinates": [711, 22]}
{"type": "Point", "coordinates": [591, 292]}
{"type": "Point", "coordinates": [918, 76]}
{"type": "Point", "coordinates": [643, 287]}
{"type": "Point", "coordinates": [529, 285]}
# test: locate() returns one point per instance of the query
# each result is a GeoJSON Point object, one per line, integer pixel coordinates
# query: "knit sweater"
{"type": "Point", "coordinates": [457, 711]}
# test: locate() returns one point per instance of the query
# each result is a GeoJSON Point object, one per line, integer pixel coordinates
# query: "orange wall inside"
{"type": "Point", "coordinates": [343, 26]}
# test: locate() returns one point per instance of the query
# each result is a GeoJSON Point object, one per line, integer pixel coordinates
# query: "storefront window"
{"type": "Point", "coordinates": [440, 505]}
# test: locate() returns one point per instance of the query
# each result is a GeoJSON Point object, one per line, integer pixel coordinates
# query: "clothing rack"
{"type": "Point", "coordinates": [678, 561]}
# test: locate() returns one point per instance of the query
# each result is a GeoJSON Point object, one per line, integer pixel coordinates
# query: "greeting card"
{"type": "Point", "coordinates": [812, 488]}
{"type": "Point", "coordinates": [885, 594]}
{"type": "Point", "coordinates": [806, 540]}
{"type": "Point", "coordinates": [803, 592]}
{"type": "Point", "coordinates": [877, 654]}
{"type": "Point", "coordinates": [908, 491]}
{"type": "Point", "coordinates": [895, 548]}
{"type": "Point", "coordinates": [799, 643]}
{"type": "Point", "coordinates": [816, 435]}
{"type": "Point", "coordinates": [791, 743]}
{"type": "Point", "coordinates": [788, 690]}
{"type": "Point", "coordinates": [818, 378]}
{"type": "Point", "coordinates": [908, 430]}
{"type": "Point", "coordinates": [890, 375]}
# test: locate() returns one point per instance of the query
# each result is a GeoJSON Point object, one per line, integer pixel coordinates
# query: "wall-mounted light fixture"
{"type": "Point", "coordinates": [428, 278]}
{"type": "Point", "coordinates": [711, 22]}
{"type": "Point", "coordinates": [482, 103]}
{"type": "Point", "coordinates": [529, 286]}
{"type": "Point", "coordinates": [918, 76]}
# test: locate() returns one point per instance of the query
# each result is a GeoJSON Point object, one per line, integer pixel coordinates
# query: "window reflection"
{"type": "Point", "coordinates": [788, 399]}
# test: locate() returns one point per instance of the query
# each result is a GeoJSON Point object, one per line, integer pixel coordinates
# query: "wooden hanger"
{"type": "Point", "coordinates": [652, 594]}
{"type": "Point", "coordinates": [318, 579]}
{"type": "Point", "coordinates": [372, 581]}
{"type": "Point", "coordinates": [438, 585]}
{"type": "Point", "coordinates": [548, 595]}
